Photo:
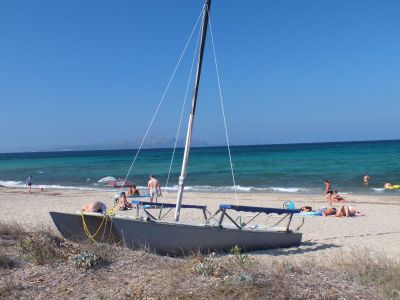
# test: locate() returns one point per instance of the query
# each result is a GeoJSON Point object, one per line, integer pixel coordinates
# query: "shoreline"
{"type": "Point", "coordinates": [369, 191]}
{"type": "Point", "coordinates": [378, 230]}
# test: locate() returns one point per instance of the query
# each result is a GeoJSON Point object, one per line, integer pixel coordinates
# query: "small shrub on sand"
{"type": "Point", "coordinates": [85, 260]}
{"type": "Point", "coordinates": [43, 247]}
{"type": "Point", "coordinates": [238, 268]}
{"type": "Point", "coordinates": [88, 255]}
{"type": "Point", "coordinates": [243, 263]}
{"type": "Point", "coordinates": [240, 258]}
{"type": "Point", "coordinates": [6, 262]}
{"type": "Point", "coordinates": [207, 266]}
{"type": "Point", "coordinates": [105, 253]}
{"type": "Point", "coordinates": [36, 251]}
{"type": "Point", "coordinates": [14, 230]}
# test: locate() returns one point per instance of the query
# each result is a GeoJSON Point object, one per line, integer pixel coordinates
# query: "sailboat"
{"type": "Point", "coordinates": [176, 237]}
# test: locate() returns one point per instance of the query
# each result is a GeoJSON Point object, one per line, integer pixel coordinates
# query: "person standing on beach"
{"type": "Point", "coordinates": [154, 188]}
{"type": "Point", "coordinates": [366, 179]}
{"type": "Point", "coordinates": [328, 191]}
{"type": "Point", "coordinates": [29, 182]}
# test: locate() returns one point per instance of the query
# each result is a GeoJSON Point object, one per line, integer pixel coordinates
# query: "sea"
{"type": "Point", "coordinates": [288, 168]}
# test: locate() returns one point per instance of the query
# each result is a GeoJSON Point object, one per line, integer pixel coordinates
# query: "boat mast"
{"type": "Point", "coordinates": [206, 10]}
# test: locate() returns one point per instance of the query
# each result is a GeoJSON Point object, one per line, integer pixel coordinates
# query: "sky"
{"type": "Point", "coordinates": [93, 72]}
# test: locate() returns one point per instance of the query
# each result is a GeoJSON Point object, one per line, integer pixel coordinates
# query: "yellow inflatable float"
{"type": "Point", "coordinates": [392, 186]}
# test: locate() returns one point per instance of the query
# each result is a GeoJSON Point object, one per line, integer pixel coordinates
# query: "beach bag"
{"type": "Point", "coordinates": [288, 205]}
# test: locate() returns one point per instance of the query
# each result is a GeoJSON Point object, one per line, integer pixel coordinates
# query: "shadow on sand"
{"type": "Point", "coordinates": [361, 235]}
{"type": "Point", "coordinates": [306, 247]}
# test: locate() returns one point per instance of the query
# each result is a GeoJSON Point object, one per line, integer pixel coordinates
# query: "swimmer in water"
{"type": "Point", "coordinates": [366, 179]}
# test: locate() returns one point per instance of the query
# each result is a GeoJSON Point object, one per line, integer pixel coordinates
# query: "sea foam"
{"type": "Point", "coordinates": [239, 188]}
{"type": "Point", "coordinates": [194, 188]}
{"type": "Point", "coordinates": [10, 183]}
{"type": "Point", "coordinates": [20, 184]}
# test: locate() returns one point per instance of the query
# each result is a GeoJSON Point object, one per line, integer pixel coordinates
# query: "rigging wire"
{"type": "Point", "coordinates": [183, 107]}
{"type": "Point", "coordinates": [223, 110]}
{"type": "Point", "coordinates": [161, 101]}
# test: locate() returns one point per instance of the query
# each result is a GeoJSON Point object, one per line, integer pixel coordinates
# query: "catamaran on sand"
{"type": "Point", "coordinates": [219, 231]}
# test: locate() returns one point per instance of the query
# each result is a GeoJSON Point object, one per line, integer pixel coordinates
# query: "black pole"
{"type": "Point", "coordinates": [207, 6]}
{"type": "Point", "coordinates": [206, 11]}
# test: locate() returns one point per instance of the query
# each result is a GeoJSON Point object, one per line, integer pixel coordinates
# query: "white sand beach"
{"type": "Point", "coordinates": [378, 230]}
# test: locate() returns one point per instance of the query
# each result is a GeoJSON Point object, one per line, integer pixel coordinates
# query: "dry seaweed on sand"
{"type": "Point", "coordinates": [141, 274]}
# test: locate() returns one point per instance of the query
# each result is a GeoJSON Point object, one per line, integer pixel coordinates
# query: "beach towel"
{"type": "Point", "coordinates": [310, 214]}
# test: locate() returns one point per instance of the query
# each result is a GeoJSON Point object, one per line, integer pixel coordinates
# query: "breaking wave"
{"type": "Point", "coordinates": [10, 183]}
{"type": "Point", "coordinates": [195, 188]}
{"type": "Point", "coordinates": [239, 188]}
{"type": "Point", "coordinates": [20, 184]}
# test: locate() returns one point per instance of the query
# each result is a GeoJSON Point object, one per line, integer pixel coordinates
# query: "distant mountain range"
{"type": "Point", "coordinates": [150, 142]}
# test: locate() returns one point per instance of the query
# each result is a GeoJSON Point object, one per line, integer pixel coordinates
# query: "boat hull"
{"type": "Point", "coordinates": [179, 239]}
{"type": "Point", "coordinates": [71, 227]}
{"type": "Point", "coordinates": [171, 238]}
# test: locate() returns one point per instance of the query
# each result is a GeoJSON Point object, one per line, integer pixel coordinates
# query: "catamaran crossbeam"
{"type": "Point", "coordinates": [169, 206]}
{"type": "Point", "coordinates": [222, 211]}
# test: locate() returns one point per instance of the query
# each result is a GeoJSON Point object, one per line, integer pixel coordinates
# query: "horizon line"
{"type": "Point", "coordinates": [213, 146]}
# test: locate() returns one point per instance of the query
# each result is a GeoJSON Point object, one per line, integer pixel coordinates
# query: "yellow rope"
{"type": "Point", "coordinates": [110, 212]}
{"type": "Point", "coordinates": [86, 229]}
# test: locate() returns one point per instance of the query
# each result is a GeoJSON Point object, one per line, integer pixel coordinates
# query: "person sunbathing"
{"type": "Point", "coordinates": [329, 211]}
{"type": "Point", "coordinates": [123, 202]}
{"type": "Point", "coordinates": [346, 211]}
{"type": "Point", "coordinates": [336, 197]}
{"type": "Point", "coordinates": [95, 206]}
{"type": "Point", "coordinates": [306, 209]}
{"type": "Point", "coordinates": [133, 191]}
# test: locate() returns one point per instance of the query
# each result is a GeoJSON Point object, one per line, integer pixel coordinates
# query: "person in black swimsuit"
{"type": "Point", "coordinates": [328, 191]}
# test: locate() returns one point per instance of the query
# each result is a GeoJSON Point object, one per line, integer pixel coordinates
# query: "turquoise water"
{"type": "Point", "coordinates": [285, 168]}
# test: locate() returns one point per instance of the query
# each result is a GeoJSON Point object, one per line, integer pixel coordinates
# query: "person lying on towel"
{"type": "Point", "coordinates": [347, 211]}
{"type": "Point", "coordinates": [330, 211]}
{"type": "Point", "coordinates": [95, 206]}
